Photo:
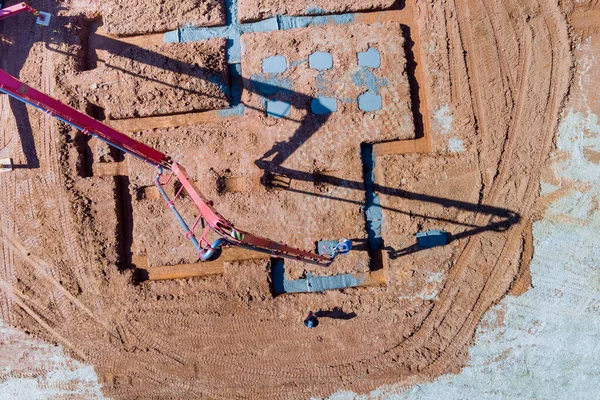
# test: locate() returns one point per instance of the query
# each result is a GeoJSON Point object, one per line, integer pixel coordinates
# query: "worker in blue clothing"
{"type": "Point", "coordinates": [311, 320]}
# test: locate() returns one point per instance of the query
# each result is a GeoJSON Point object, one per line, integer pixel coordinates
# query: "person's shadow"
{"type": "Point", "coordinates": [335, 313]}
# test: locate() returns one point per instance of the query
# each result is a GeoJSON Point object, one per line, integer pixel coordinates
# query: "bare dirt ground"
{"type": "Point", "coordinates": [127, 17]}
{"type": "Point", "coordinates": [170, 79]}
{"type": "Point", "coordinates": [257, 10]}
{"type": "Point", "coordinates": [487, 82]}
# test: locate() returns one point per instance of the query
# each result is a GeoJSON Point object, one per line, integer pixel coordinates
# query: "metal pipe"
{"type": "Point", "coordinates": [170, 204]}
{"type": "Point", "coordinates": [208, 253]}
{"type": "Point", "coordinates": [280, 254]}
{"type": "Point", "coordinates": [204, 254]}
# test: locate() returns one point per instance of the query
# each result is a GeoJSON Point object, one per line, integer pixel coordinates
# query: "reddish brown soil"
{"type": "Point", "coordinates": [132, 81]}
{"type": "Point", "coordinates": [251, 10]}
{"type": "Point", "coordinates": [502, 70]}
{"type": "Point", "coordinates": [138, 17]}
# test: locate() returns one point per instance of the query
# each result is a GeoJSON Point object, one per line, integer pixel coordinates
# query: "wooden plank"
{"type": "Point", "coordinates": [374, 278]}
{"type": "Point", "coordinates": [404, 16]}
{"type": "Point", "coordinates": [155, 39]}
{"type": "Point", "coordinates": [102, 41]}
{"type": "Point", "coordinates": [185, 270]}
{"type": "Point", "coordinates": [421, 145]}
{"type": "Point", "coordinates": [165, 121]}
{"type": "Point", "coordinates": [206, 268]}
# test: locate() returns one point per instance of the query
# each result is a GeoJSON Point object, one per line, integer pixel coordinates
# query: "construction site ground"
{"type": "Point", "coordinates": [475, 117]}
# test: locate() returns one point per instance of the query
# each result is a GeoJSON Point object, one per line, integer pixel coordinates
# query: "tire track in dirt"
{"type": "Point", "coordinates": [459, 271]}
{"type": "Point", "coordinates": [451, 290]}
{"type": "Point", "coordinates": [7, 257]}
{"type": "Point", "coordinates": [41, 218]}
{"type": "Point", "coordinates": [9, 182]}
{"type": "Point", "coordinates": [501, 50]}
{"type": "Point", "coordinates": [39, 267]}
{"type": "Point", "coordinates": [17, 296]}
{"type": "Point", "coordinates": [304, 370]}
{"type": "Point", "coordinates": [310, 369]}
{"type": "Point", "coordinates": [500, 272]}
{"type": "Point", "coordinates": [509, 148]}
{"type": "Point", "coordinates": [229, 339]}
{"type": "Point", "coordinates": [50, 139]}
{"type": "Point", "coordinates": [450, 59]}
{"type": "Point", "coordinates": [473, 84]}
{"type": "Point", "coordinates": [512, 140]}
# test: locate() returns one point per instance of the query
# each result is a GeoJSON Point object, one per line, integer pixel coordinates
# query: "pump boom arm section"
{"type": "Point", "coordinates": [43, 17]}
{"type": "Point", "coordinates": [207, 215]}
{"type": "Point", "coordinates": [79, 120]}
{"type": "Point", "coordinates": [17, 9]}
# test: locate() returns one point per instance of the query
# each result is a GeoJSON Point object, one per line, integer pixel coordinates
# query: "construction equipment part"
{"type": "Point", "coordinates": [43, 17]}
{"type": "Point", "coordinates": [167, 171]}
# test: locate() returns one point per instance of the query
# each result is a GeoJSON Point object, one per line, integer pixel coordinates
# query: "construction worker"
{"type": "Point", "coordinates": [311, 320]}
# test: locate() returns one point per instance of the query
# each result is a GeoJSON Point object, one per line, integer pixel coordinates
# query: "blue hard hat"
{"type": "Point", "coordinates": [311, 321]}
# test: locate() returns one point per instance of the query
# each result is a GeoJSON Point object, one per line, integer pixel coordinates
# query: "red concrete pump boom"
{"type": "Point", "coordinates": [167, 170]}
{"type": "Point", "coordinates": [43, 18]}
